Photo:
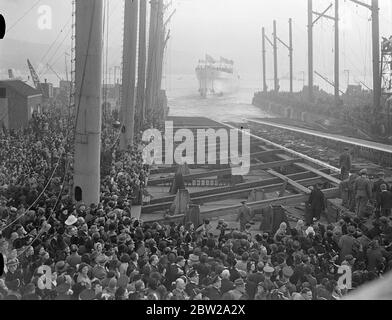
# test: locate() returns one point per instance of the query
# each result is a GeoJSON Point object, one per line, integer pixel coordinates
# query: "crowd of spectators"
{"type": "Point", "coordinates": [57, 250]}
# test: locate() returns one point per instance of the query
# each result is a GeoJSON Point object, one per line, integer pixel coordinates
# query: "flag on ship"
{"type": "Point", "coordinates": [210, 59]}
{"type": "Point", "coordinates": [227, 61]}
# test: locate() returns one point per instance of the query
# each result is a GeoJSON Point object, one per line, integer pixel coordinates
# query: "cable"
{"type": "Point", "coordinates": [53, 55]}
{"type": "Point", "coordinates": [63, 142]}
{"type": "Point", "coordinates": [55, 40]}
{"type": "Point", "coordinates": [24, 15]}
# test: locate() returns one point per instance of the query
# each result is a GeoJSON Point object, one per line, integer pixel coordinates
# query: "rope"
{"type": "Point", "coordinates": [24, 15]}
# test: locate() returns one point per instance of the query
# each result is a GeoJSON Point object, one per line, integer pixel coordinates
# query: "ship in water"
{"type": "Point", "coordinates": [216, 77]}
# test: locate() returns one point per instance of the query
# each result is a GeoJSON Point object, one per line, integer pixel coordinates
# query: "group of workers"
{"type": "Point", "coordinates": [362, 195]}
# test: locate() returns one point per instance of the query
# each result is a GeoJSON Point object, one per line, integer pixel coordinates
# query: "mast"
{"type": "Point", "coordinates": [276, 80]}
{"type": "Point", "coordinates": [264, 64]}
{"type": "Point", "coordinates": [376, 56]}
{"type": "Point", "coordinates": [151, 54]}
{"type": "Point", "coordinates": [129, 74]}
{"type": "Point", "coordinates": [310, 50]}
{"type": "Point", "coordinates": [141, 84]}
{"type": "Point", "coordinates": [337, 64]}
{"type": "Point", "coordinates": [88, 73]}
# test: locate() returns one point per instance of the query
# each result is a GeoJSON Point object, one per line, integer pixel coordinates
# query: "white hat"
{"type": "Point", "coordinates": [71, 220]}
{"type": "Point", "coordinates": [309, 230]}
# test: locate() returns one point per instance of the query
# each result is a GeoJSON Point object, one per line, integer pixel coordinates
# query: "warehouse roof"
{"type": "Point", "coordinates": [21, 87]}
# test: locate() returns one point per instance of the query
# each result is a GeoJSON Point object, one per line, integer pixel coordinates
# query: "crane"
{"type": "Point", "coordinates": [34, 76]}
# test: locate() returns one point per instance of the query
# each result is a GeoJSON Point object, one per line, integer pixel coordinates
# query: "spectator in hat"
{"type": "Point", "coordinates": [268, 284]}
{"type": "Point", "coordinates": [244, 216]}
{"type": "Point", "coordinates": [316, 204]}
{"type": "Point", "coordinates": [363, 193]}
{"type": "Point", "coordinates": [99, 270]}
{"type": "Point", "coordinates": [74, 259]}
{"type": "Point", "coordinates": [226, 284]}
{"type": "Point", "coordinates": [383, 201]}
{"type": "Point", "coordinates": [213, 289]}
{"type": "Point", "coordinates": [378, 183]}
{"type": "Point", "coordinates": [238, 293]}
{"type": "Point", "coordinates": [347, 243]}
{"type": "Point", "coordinates": [192, 284]}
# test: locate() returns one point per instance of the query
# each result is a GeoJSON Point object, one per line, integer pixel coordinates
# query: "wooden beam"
{"type": "Point", "coordinates": [293, 183]}
{"type": "Point", "coordinates": [245, 185]}
{"type": "Point", "coordinates": [262, 166]}
{"type": "Point", "coordinates": [230, 210]}
{"type": "Point", "coordinates": [319, 173]}
{"type": "Point", "coordinates": [243, 193]}
{"type": "Point", "coordinates": [197, 166]}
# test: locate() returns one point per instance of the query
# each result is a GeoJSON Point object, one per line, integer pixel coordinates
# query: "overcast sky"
{"type": "Point", "coordinates": [229, 28]}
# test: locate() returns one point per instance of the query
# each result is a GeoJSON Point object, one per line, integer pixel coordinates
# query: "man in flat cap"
{"type": "Point", "coordinates": [238, 293]}
{"type": "Point", "coordinates": [383, 202]}
{"type": "Point", "coordinates": [267, 283]}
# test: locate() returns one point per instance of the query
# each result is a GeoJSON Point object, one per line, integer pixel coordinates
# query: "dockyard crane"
{"type": "Point", "coordinates": [34, 76]}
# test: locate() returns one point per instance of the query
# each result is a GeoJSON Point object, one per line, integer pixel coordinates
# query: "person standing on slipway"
{"type": "Point", "coordinates": [244, 216]}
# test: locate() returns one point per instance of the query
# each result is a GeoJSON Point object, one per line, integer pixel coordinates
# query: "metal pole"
{"type": "Point", "coordinates": [88, 99]}
{"type": "Point", "coordinates": [265, 89]}
{"type": "Point", "coordinates": [141, 84]}
{"type": "Point", "coordinates": [376, 56]}
{"type": "Point", "coordinates": [337, 67]}
{"type": "Point", "coordinates": [129, 74]}
{"type": "Point", "coordinates": [276, 81]}
{"type": "Point", "coordinates": [291, 53]}
{"type": "Point", "coordinates": [151, 54]}
{"type": "Point", "coordinates": [310, 50]}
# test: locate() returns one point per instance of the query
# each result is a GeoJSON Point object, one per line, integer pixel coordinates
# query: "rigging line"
{"type": "Point", "coordinates": [54, 42]}
{"type": "Point", "coordinates": [49, 62]}
{"type": "Point", "coordinates": [24, 15]}
{"type": "Point", "coordinates": [69, 130]}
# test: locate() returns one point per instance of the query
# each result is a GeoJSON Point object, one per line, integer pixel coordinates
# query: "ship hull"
{"type": "Point", "coordinates": [216, 82]}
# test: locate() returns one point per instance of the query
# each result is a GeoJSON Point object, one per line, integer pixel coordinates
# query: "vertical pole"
{"type": "Point", "coordinates": [376, 56]}
{"type": "Point", "coordinates": [276, 81]}
{"type": "Point", "coordinates": [141, 85]}
{"type": "Point", "coordinates": [88, 99]}
{"type": "Point", "coordinates": [129, 74]}
{"type": "Point", "coordinates": [151, 54]}
{"type": "Point", "coordinates": [160, 50]}
{"type": "Point", "coordinates": [264, 65]}
{"type": "Point", "coordinates": [337, 67]}
{"type": "Point", "coordinates": [291, 53]}
{"type": "Point", "coordinates": [310, 50]}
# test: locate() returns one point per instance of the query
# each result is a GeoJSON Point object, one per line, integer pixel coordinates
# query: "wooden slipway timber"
{"type": "Point", "coordinates": [261, 166]}
{"type": "Point", "coordinates": [308, 172]}
{"type": "Point", "coordinates": [240, 186]}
